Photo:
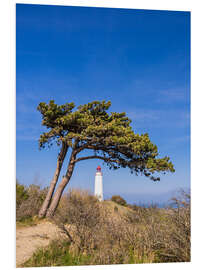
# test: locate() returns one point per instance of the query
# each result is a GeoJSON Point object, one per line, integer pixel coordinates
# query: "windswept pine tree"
{"type": "Point", "coordinates": [108, 137]}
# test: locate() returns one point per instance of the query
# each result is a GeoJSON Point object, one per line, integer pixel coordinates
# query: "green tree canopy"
{"type": "Point", "coordinates": [107, 135]}
{"type": "Point", "coordinates": [51, 113]}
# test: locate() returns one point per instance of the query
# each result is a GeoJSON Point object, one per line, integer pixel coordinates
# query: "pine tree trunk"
{"type": "Point", "coordinates": [54, 181]}
{"type": "Point", "coordinates": [61, 187]}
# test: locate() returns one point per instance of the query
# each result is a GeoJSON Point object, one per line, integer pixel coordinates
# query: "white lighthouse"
{"type": "Point", "coordinates": [98, 188]}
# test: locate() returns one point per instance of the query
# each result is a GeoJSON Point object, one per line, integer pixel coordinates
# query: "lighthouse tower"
{"type": "Point", "coordinates": [98, 189]}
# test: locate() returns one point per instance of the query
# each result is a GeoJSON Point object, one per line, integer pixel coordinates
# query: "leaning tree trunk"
{"type": "Point", "coordinates": [54, 181]}
{"type": "Point", "coordinates": [57, 196]}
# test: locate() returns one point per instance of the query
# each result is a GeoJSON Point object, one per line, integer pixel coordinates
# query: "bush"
{"type": "Point", "coordinates": [28, 201]}
{"type": "Point", "coordinates": [21, 194]}
{"type": "Point", "coordinates": [119, 200]}
{"type": "Point", "coordinates": [80, 210]}
{"type": "Point", "coordinates": [176, 243]}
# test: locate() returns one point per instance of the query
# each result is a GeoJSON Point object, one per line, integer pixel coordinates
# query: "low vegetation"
{"type": "Point", "coordinates": [28, 202]}
{"type": "Point", "coordinates": [119, 200]}
{"type": "Point", "coordinates": [109, 233]}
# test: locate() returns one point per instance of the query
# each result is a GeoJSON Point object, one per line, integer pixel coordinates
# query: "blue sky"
{"type": "Point", "coordinates": [138, 59]}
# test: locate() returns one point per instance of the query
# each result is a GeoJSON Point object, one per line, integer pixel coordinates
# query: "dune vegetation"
{"type": "Point", "coordinates": [108, 232]}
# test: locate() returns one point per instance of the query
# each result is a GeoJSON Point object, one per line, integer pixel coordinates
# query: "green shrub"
{"type": "Point", "coordinates": [119, 200]}
{"type": "Point", "coordinates": [28, 201]}
{"type": "Point", "coordinates": [21, 194]}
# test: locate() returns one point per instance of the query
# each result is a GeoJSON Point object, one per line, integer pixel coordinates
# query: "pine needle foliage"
{"type": "Point", "coordinates": [108, 136]}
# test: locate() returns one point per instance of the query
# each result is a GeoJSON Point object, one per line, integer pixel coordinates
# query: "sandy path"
{"type": "Point", "coordinates": [28, 239]}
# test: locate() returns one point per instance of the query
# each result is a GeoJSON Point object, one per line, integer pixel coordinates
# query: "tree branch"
{"type": "Point", "coordinates": [99, 157]}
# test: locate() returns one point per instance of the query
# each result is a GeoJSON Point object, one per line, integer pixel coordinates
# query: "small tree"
{"type": "Point", "coordinates": [119, 200]}
{"type": "Point", "coordinates": [108, 136]}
